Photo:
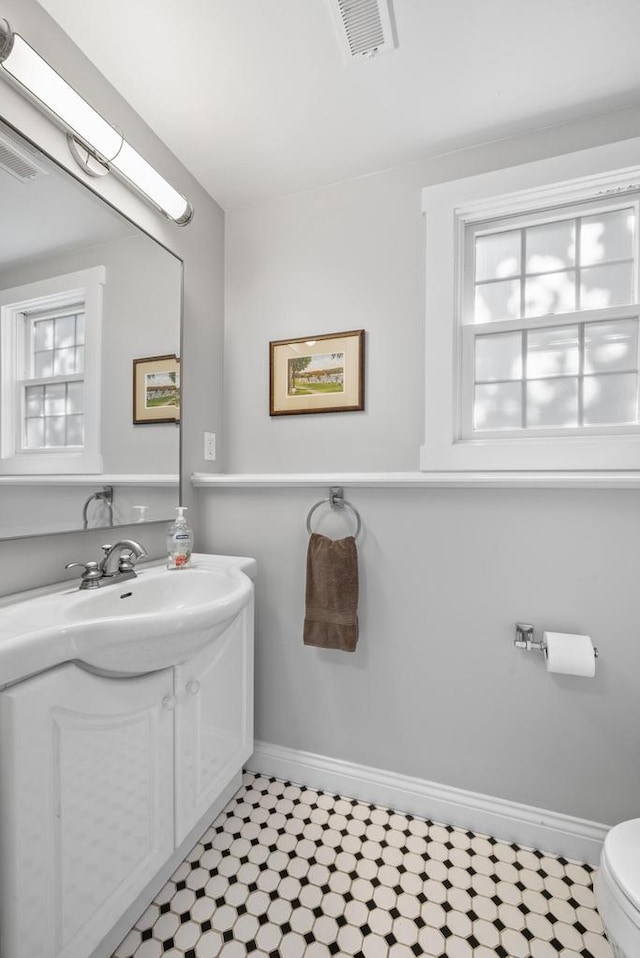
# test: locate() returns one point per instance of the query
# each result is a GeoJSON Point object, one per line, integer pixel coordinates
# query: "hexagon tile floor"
{"type": "Point", "coordinates": [287, 872]}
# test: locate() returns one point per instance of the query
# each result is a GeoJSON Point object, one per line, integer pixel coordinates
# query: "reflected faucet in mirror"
{"type": "Point", "coordinates": [105, 496]}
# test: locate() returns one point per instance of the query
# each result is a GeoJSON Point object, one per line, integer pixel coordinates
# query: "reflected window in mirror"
{"type": "Point", "coordinates": [53, 228]}
{"type": "Point", "coordinates": [50, 333]}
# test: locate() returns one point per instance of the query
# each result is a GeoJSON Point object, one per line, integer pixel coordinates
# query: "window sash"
{"type": "Point", "coordinates": [562, 213]}
{"type": "Point", "coordinates": [581, 320]}
{"type": "Point", "coordinates": [469, 328]}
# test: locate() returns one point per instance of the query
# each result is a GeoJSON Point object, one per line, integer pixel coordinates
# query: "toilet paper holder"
{"type": "Point", "coordinates": [525, 639]}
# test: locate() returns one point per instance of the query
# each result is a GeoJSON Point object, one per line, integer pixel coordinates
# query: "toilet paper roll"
{"type": "Point", "coordinates": [569, 654]}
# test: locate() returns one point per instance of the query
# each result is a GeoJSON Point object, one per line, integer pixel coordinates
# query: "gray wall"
{"type": "Point", "coordinates": [435, 689]}
{"type": "Point", "coordinates": [41, 559]}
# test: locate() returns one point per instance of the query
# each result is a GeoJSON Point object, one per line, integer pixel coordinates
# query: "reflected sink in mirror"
{"type": "Point", "coordinates": [158, 619]}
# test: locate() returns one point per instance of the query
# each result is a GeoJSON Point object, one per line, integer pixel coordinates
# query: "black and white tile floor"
{"type": "Point", "coordinates": [287, 872]}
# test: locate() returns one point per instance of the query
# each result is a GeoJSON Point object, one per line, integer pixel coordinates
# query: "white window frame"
{"type": "Point", "coordinates": [449, 208]}
{"type": "Point", "coordinates": [85, 286]}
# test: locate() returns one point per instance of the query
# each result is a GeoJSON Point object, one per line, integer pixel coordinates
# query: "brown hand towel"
{"type": "Point", "coordinates": [331, 619]}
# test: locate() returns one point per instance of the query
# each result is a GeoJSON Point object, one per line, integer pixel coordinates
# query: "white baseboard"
{"type": "Point", "coordinates": [539, 828]}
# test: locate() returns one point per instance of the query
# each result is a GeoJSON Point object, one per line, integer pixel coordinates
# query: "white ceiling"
{"type": "Point", "coordinates": [255, 99]}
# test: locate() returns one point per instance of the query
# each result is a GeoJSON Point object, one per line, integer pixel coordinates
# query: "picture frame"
{"type": "Point", "coordinates": [156, 389]}
{"type": "Point", "coordinates": [317, 374]}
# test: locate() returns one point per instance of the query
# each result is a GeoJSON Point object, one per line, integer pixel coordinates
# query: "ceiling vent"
{"type": "Point", "coordinates": [364, 28]}
{"type": "Point", "coordinates": [19, 158]}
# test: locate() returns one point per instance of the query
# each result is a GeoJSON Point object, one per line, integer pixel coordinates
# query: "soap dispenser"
{"type": "Point", "coordinates": [179, 541]}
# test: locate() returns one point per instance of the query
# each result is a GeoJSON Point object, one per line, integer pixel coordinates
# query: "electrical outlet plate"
{"type": "Point", "coordinates": [210, 446]}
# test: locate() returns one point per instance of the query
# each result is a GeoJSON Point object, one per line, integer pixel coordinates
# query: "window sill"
{"type": "Point", "coordinates": [610, 479]}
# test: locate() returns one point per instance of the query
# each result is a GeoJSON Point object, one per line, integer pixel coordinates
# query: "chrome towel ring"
{"type": "Point", "coordinates": [336, 500]}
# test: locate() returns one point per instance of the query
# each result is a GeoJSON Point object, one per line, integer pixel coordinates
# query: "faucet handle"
{"type": "Point", "coordinates": [126, 562]}
{"type": "Point", "coordinates": [92, 573]}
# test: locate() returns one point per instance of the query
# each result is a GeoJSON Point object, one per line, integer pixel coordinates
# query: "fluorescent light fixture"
{"type": "Point", "coordinates": [134, 168]}
{"type": "Point", "coordinates": [20, 63]}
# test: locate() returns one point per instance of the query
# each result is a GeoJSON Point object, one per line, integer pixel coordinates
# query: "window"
{"type": "Point", "coordinates": [51, 395]}
{"type": "Point", "coordinates": [533, 319]}
{"type": "Point", "coordinates": [549, 329]}
{"type": "Point", "coordinates": [50, 335]}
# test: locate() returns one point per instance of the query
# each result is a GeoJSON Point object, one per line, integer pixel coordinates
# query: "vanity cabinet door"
{"type": "Point", "coordinates": [86, 805]}
{"type": "Point", "coordinates": [214, 720]}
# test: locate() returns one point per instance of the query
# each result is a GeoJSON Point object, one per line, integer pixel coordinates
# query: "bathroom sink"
{"type": "Point", "coordinates": [157, 619]}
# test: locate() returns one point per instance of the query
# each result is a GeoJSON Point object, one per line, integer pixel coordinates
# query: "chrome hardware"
{"type": "Point", "coordinates": [336, 500]}
{"type": "Point", "coordinates": [124, 553]}
{"type": "Point", "coordinates": [90, 578]}
{"type": "Point", "coordinates": [525, 639]}
{"type": "Point", "coordinates": [105, 496]}
{"type": "Point", "coordinates": [169, 702]}
{"type": "Point", "coordinates": [193, 687]}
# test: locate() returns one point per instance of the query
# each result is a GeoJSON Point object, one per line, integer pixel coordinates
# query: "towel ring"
{"type": "Point", "coordinates": [337, 501]}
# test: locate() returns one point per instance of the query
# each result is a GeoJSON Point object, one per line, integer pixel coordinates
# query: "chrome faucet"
{"type": "Point", "coordinates": [116, 565]}
{"type": "Point", "coordinates": [120, 558]}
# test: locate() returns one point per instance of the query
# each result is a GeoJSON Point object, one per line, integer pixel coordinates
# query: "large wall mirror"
{"type": "Point", "coordinates": [84, 294]}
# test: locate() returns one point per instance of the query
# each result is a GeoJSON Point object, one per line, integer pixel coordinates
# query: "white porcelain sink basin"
{"type": "Point", "coordinates": [160, 618]}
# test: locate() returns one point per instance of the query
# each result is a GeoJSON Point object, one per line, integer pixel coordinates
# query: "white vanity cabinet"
{"type": "Point", "coordinates": [102, 783]}
{"type": "Point", "coordinates": [86, 799]}
{"type": "Point", "coordinates": [213, 720]}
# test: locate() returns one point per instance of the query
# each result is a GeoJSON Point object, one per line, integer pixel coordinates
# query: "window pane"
{"type": "Point", "coordinates": [497, 301]}
{"type": "Point", "coordinates": [497, 406]}
{"type": "Point", "coordinates": [34, 401]}
{"type": "Point", "coordinates": [43, 334]}
{"type": "Point", "coordinates": [498, 255]}
{"type": "Point", "coordinates": [611, 399]}
{"type": "Point", "coordinates": [64, 362]}
{"type": "Point", "coordinates": [43, 364]}
{"type": "Point", "coordinates": [607, 236]}
{"type": "Point", "coordinates": [54, 399]}
{"type": "Point", "coordinates": [65, 332]}
{"type": "Point", "coordinates": [550, 246]}
{"type": "Point", "coordinates": [606, 286]}
{"type": "Point", "coordinates": [611, 346]}
{"type": "Point", "coordinates": [75, 430]}
{"type": "Point", "coordinates": [35, 433]}
{"type": "Point", "coordinates": [553, 352]}
{"type": "Point", "coordinates": [499, 356]}
{"type": "Point", "coordinates": [552, 402]}
{"type": "Point", "coordinates": [553, 293]}
{"type": "Point", "coordinates": [80, 329]}
{"type": "Point", "coordinates": [75, 398]}
{"type": "Point", "coordinates": [54, 430]}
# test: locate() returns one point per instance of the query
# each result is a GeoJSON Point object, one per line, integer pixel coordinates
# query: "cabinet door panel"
{"type": "Point", "coordinates": [87, 808]}
{"type": "Point", "coordinates": [213, 720]}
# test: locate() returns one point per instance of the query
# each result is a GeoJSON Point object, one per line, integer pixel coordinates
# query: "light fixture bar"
{"type": "Point", "coordinates": [140, 174]}
{"type": "Point", "coordinates": [20, 63]}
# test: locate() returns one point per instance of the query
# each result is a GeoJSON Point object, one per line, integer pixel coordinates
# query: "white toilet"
{"type": "Point", "coordinates": [617, 888]}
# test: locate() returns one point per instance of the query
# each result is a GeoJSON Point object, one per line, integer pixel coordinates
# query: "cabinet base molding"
{"type": "Point", "coordinates": [109, 944]}
{"type": "Point", "coordinates": [509, 821]}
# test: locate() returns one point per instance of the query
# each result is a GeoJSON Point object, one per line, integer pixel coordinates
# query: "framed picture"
{"type": "Point", "coordinates": [317, 374]}
{"type": "Point", "coordinates": [156, 389]}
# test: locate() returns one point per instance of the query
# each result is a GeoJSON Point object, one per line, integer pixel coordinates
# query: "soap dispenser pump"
{"type": "Point", "coordinates": [179, 541]}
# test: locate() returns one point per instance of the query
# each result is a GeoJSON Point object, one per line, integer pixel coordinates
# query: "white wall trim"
{"type": "Point", "coordinates": [621, 479]}
{"type": "Point", "coordinates": [548, 831]}
{"type": "Point", "coordinates": [94, 479]}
